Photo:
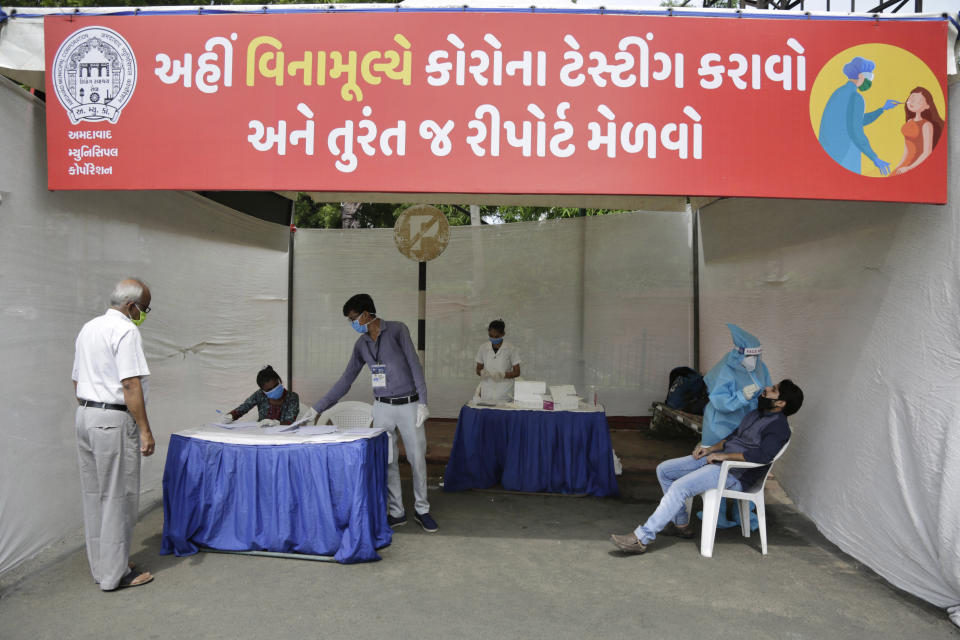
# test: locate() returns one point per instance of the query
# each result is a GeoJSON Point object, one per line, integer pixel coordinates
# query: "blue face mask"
{"type": "Point", "coordinates": [275, 393]}
{"type": "Point", "coordinates": [496, 340]}
{"type": "Point", "coordinates": [359, 328]}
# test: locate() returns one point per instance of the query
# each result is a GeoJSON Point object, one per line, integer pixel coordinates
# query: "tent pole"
{"type": "Point", "coordinates": [293, 208]}
{"type": "Point", "coordinates": [696, 288]}
{"type": "Point", "coordinates": [422, 317]}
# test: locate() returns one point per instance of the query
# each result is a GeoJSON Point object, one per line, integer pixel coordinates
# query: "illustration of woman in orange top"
{"type": "Point", "coordinates": [921, 131]}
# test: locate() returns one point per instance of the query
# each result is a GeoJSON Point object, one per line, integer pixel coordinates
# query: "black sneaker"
{"type": "Point", "coordinates": [396, 521]}
{"type": "Point", "coordinates": [426, 521]}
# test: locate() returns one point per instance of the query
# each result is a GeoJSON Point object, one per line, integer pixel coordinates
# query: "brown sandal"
{"type": "Point", "coordinates": [135, 579]}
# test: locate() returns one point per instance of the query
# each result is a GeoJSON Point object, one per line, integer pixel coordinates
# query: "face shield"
{"type": "Point", "coordinates": [751, 358]}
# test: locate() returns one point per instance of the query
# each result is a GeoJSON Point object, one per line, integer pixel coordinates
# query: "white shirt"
{"type": "Point", "coordinates": [108, 350]}
{"type": "Point", "coordinates": [500, 361]}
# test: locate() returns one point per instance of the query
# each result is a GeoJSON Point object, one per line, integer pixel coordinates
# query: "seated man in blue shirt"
{"type": "Point", "coordinates": [400, 399]}
{"type": "Point", "coordinates": [759, 437]}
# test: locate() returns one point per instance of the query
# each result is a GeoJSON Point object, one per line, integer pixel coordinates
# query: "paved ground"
{"type": "Point", "coordinates": [503, 565]}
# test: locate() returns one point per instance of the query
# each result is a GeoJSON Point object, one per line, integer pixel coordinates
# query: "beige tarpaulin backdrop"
{"type": "Point", "coordinates": [219, 282]}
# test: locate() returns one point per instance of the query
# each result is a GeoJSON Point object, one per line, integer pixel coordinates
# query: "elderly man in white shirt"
{"type": "Point", "coordinates": [498, 362]}
{"type": "Point", "coordinates": [110, 383]}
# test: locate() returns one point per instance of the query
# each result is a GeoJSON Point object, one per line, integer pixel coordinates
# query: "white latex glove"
{"type": "Point", "coordinates": [496, 376]}
{"type": "Point", "coordinates": [311, 415]}
{"type": "Point", "coordinates": [485, 373]}
{"type": "Point", "coordinates": [422, 414]}
{"type": "Point", "coordinates": [750, 390]}
{"type": "Point", "coordinates": [268, 423]}
{"type": "Point", "coordinates": [226, 418]}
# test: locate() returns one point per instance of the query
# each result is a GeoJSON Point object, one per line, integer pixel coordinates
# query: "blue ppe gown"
{"type": "Point", "coordinates": [725, 382]}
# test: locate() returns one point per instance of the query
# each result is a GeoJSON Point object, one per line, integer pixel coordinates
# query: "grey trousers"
{"type": "Point", "coordinates": [403, 418]}
{"type": "Point", "coordinates": [108, 446]}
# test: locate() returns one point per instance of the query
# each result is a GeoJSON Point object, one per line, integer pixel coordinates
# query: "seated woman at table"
{"type": "Point", "coordinates": [275, 405]}
{"type": "Point", "coordinates": [498, 362]}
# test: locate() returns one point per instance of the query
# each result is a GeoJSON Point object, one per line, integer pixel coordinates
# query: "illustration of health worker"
{"type": "Point", "coordinates": [844, 117]}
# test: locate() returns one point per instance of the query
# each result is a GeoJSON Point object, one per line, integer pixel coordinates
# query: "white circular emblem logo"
{"type": "Point", "coordinates": [94, 74]}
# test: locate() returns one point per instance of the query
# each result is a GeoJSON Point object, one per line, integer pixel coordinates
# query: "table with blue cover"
{"type": "Point", "coordinates": [323, 495]}
{"type": "Point", "coordinates": [528, 450]}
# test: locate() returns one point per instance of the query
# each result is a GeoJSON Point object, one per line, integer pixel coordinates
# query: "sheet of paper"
{"type": "Point", "coordinates": [316, 430]}
{"type": "Point", "coordinates": [234, 425]}
{"type": "Point", "coordinates": [280, 428]}
{"type": "Point", "coordinates": [304, 420]}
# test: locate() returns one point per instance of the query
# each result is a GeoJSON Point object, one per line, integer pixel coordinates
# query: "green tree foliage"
{"type": "Point", "coordinates": [327, 215]}
{"type": "Point", "coordinates": [316, 215]}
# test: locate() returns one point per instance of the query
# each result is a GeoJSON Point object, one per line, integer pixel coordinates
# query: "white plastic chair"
{"type": "Point", "coordinates": [348, 414]}
{"type": "Point", "coordinates": [712, 498]}
{"type": "Point", "coordinates": [355, 414]}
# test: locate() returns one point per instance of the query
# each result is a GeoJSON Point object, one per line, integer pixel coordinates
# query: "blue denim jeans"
{"type": "Point", "coordinates": [680, 478]}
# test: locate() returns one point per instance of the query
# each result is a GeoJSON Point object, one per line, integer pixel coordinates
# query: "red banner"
{"type": "Point", "coordinates": [481, 102]}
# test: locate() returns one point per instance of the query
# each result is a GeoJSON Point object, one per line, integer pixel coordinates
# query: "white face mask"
{"type": "Point", "coordinates": [750, 363]}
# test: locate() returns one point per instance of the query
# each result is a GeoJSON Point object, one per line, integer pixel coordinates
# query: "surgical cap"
{"type": "Point", "coordinates": [858, 65]}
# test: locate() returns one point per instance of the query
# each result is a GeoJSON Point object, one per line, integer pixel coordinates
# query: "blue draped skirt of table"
{"type": "Point", "coordinates": [544, 451]}
{"type": "Point", "coordinates": [317, 499]}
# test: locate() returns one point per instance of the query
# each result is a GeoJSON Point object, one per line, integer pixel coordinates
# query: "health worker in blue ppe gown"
{"type": "Point", "coordinates": [845, 115]}
{"type": "Point", "coordinates": [733, 385]}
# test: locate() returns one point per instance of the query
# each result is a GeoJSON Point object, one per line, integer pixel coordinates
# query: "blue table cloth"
{"type": "Point", "coordinates": [543, 451]}
{"type": "Point", "coordinates": [318, 499]}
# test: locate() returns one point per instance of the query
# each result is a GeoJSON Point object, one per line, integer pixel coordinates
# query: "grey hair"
{"type": "Point", "coordinates": [128, 290]}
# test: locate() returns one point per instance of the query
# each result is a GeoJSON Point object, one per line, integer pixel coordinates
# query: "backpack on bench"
{"type": "Point", "coordinates": [687, 391]}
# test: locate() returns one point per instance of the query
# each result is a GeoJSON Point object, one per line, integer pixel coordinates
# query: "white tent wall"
{"type": "Point", "coordinates": [602, 301]}
{"type": "Point", "coordinates": [857, 303]}
{"type": "Point", "coordinates": [219, 284]}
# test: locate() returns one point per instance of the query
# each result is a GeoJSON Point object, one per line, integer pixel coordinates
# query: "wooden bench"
{"type": "Point", "coordinates": [660, 411]}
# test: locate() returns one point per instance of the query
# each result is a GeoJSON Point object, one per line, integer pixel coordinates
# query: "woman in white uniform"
{"type": "Point", "coordinates": [498, 362]}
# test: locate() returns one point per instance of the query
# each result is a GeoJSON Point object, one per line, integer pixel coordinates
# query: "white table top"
{"type": "Point", "coordinates": [255, 436]}
{"type": "Point", "coordinates": [512, 406]}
